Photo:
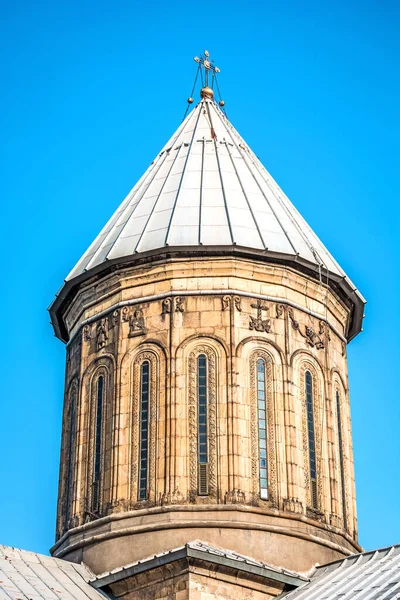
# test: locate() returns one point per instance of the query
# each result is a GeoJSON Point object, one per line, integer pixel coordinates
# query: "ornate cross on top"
{"type": "Point", "coordinates": [257, 323]}
{"type": "Point", "coordinates": [204, 61]}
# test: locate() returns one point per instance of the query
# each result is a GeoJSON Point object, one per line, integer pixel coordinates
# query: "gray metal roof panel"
{"type": "Point", "coordinates": [368, 576]}
{"type": "Point", "coordinates": [31, 576]}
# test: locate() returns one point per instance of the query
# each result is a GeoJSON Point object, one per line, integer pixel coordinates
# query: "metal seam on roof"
{"type": "Point", "coordinates": [153, 172]}
{"type": "Point", "coordinates": [181, 180]}
{"type": "Point", "coordinates": [368, 576]}
{"type": "Point", "coordinates": [201, 190]}
{"type": "Point", "coordinates": [159, 196]}
{"type": "Point", "coordinates": [245, 195]}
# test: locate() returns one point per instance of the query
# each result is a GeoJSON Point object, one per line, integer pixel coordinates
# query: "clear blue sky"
{"type": "Point", "coordinates": [90, 93]}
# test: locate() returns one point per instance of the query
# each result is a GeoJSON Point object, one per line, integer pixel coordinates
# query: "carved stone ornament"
{"type": "Point", "coordinates": [166, 306]}
{"type": "Point", "coordinates": [179, 304]}
{"type": "Point", "coordinates": [293, 505]}
{"type": "Point", "coordinates": [102, 333]}
{"type": "Point", "coordinates": [115, 317]}
{"type": "Point", "coordinates": [258, 323]}
{"type": "Point", "coordinates": [134, 316]}
{"type": "Point", "coordinates": [313, 339]}
{"type": "Point", "coordinates": [235, 497]}
{"type": "Point", "coordinates": [170, 304]}
{"type": "Point", "coordinates": [226, 302]}
{"type": "Point", "coordinates": [174, 497]}
{"type": "Point", "coordinates": [87, 333]}
{"type": "Point", "coordinates": [193, 422]}
{"type": "Point", "coordinates": [324, 330]}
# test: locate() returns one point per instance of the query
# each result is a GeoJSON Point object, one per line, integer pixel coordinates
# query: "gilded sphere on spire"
{"type": "Point", "coordinates": [190, 100]}
{"type": "Point", "coordinates": [206, 92]}
{"type": "Point", "coordinates": [221, 103]}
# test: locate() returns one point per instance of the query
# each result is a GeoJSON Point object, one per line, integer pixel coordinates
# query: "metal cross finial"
{"type": "Point", "coordinates": [205, 61]}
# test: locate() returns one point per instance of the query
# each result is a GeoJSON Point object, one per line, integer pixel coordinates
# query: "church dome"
{"type": "Point", "coordinates": [206, 391]}
{"type": "Point", "coordinates": [206, 189]}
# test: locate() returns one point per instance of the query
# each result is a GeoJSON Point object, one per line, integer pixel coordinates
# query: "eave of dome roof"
{"type": "Point", "coordinates": [342, 285]}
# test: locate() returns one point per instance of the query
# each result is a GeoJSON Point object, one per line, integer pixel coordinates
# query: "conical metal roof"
{"type": "Point", "coordinates": [206, 193]}
{"type": "Point", "coordinates": [206, 188]}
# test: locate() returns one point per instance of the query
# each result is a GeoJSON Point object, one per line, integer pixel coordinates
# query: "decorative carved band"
{"type": "Point", "coordinates": [212, 421]}
{"type": "Point", "coordinates": [106, 436]}
{"type": "Point", "coordinates": [271, 450]}
{"type": "Point", "coordinates": [316, 400]}
{"type": "Point", "coordinates": [152, 430]}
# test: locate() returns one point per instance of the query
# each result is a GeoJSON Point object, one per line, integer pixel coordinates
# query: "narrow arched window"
{"type": "Point", "coordinates": [202, 424]}
{"type": "Point", "coordinates": [144, 429]}
{"type": "Point", "coordinates": [98, 435]}
{"type": "Point", "coordinates": [262, 429]}
{"type": "Point", "coordinates": [71, 453]}
{"type": "Point", "coordinates": [341, 458]}
{"type": "Point", "coordinates": [311, 439]}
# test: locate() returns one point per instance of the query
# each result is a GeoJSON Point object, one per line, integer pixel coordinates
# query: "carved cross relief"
{"type": "Point", "coordinates": [258, 323]}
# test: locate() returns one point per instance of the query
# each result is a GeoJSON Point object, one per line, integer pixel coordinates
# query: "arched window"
{"type": "Point", "coordinates": [262, 429]}
{"type": "Point", "coordinates": [341, 459]}
{"type": "Point", "coordinates": [71, 453]}
{"type": "Point", "coordinates": [311, 438]}
{"type": "Point", "coordinates": [144, 429]}
{"type": "Point", "coordinates": [98, 435]}
{"type": "Point", "coordinates": [202, 424]}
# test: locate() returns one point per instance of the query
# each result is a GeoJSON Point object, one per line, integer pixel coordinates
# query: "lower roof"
{"type": "Point", "coordinates": [200, 550]}
{"type": "Point", "coordinates": [30, 576]}
{"type": "Point", "coordinates": [371, 575]}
